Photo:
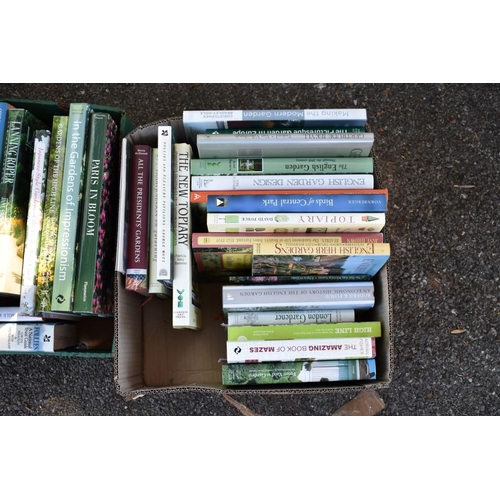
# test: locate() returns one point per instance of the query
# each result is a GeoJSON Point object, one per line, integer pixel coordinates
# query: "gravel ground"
{"type": "Point", "coordinates": [438, 152]}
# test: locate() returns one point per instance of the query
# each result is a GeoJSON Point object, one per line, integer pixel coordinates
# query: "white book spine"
{"type": "Point", "coordinates": [163, 186]}
{"type": "Point", "coordinates": [262, 318]}
{"type": "Point", "coordinates": [27, 337]}
{"type": "Point", "coordinates": [121, 243]}
{"type": "Point", "coordinates": [278, 181]}
{"type": "Point", "coordinates": [155, 286]}
{"type": "Point", "coordinates": [185, 313]}
{"type": "Point", "coordinates": [34, 222]}
{"type": "Point", "coordinates": [295, 222]}
{"type": "Point", "coordinates": [258, 351]}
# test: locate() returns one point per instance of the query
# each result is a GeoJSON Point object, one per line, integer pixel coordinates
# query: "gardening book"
{"type": "Point", "coordinates": [51, 209]}
{"type": "Point", "coordinates": [258, 351]}
{"type": "Point", "coordinates": [309, 296]}
{"type": "Point", "coordinates": [302, 203]}
{"type": "Point", "coordinates": [284, 130]}
{"type": "Point", "coordinates": [35, 219]}
{"type": "Point", "coordinates": [223, 254]}
{"type": "Point", "coordinates": [70, 210]}
{"type": "Point", "coordinates": [276, 258]}
{"type": "Point", "coordinates": [36, 337]}
{"type": "Point", "coordinates": [199, 121]}
{"type": "Point", "coordinates": [281, 145]}
{"type": "Point", "coordinates": [289, 280]}
{"type": "Point", "coordinates": [319, 222]}
{"type": "Point", "coordinates": [185, 293]}
{"type": "Point", "coordinates": [266, 182]}
{"type": "Point", "coordinates": [95, 259]}
{"type": "Point", "coordinates": [136, 275]}
{"type": "Point", "coordinates": [15, 178]}
{"type": "Point", "coordinates": [256, 166]}
{"type": "Point", "coordinates": [304, 331]}
{"type": "Point", "coordinates": [298, 317]}
{"type": "Point", "coordinates": [297, 372]}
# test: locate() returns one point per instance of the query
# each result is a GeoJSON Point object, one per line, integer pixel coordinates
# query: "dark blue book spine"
{"type": "Point", "coordinates": [310, 203]}
{"type": "Point", "coordinates": [3, 126]}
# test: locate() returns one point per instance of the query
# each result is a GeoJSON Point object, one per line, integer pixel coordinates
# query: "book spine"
{"type": "Point", "coordinates": [294, 372]}
{"type": "Point", "coordinates": [186, 308]}
{"type": "Point", "coordinates": [136, 279]}
{"type": "Point", "coordinates": [283, 145]}
{"type": "Point", "coordinates": [288, 280]}
{"type": "Point", "coordinates": [164, 225]}
{"type": "Point", "coordinates": [300, 317]}
{"type": "Point", "coordinates": [295, 222]}
{"type": "Point", "coordinates": [259, 166]}
{"type": "Point", "coordinates": [312, 182]}
{"type": "Point", "coordinates": [14, 195]}
{"type": "Point", "coordinates": [69, 214]}
{"type": "Point", "coordinates": [284, 130]}
{"type": "Point", "coordinates": [51, 208]}
{"type": "Point", "coordinates": [155, 286]}
{"type": "Point", "coordinates": [94, 283]}
{"type": "Point", "coordinates": [258, 351]}
{"type": "Point", "coordinates": [355, 295]}
{"type": "Point", "coordinates": [34, 221]}
{"type": "Point", "coordinates": [304, 331]}
{"type": "Point", "coordinates": [4, 107]}
{"type": "Point", "coordinates": [27, 337]}
{"type": "Point", "coordinates": [123, 208]}
{"type": "Point", "coordinates": [329, 203]}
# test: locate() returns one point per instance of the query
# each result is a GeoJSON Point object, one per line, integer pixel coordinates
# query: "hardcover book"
{"type": "Point", "coordinates": [298, 372]}
{"type": "Point", "coordinates": [259, 166]}
{"type": "Point", "coordinates": [4, 107]}
{"type": "Point", "coordinates": [155, 287]}
{"type": "Point", "coordinates": [302, 203]}
{"type": "Point", "coordinates": [164, 225]}
{"type": "Point", "coordinates": [14, 196]}
{"type": "Point", "coordinates": [185, 297]}
{"type": "Point", "coordinates": [95, 260]}
{"type": "Point", "coordinates": [223, 254]}
{"type": "Point", "coordinates": [258, 351]}
{"type": "Point", "coordinates": [136, 276]}
{"type": "Point", "coordinates": [309, 296]}
{"type": "Point", "coordinates": [285, 130]}
{"type": "Point", "coordinates": [311, 182]}
{"type": "Point", "coordinates": [304, 331]}
{"type": "Point", "coordinates": [35, 220]}
{"type": "Point", "coordinates": [70, 211]}
{"type": "Point", "coordinates": [297, 280]}
{"type": "Point", "coordinates": [298, 317]}
{"type": "Point", "coordinates": [276, 259]}
{"type": "Point", "coordinates": [36, 337]}
{"type": "Point", "coordinates": [198, 121]}
{"type": "Point", "coordinates": [282, 145]}
{"type": "Point", "coordinates": [51, 209]}
{"type": "Point", "coordinates": [295, 222]}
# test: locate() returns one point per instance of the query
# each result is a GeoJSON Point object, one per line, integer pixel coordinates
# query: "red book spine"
{"type": "Point", "coordinates": [137, 237]}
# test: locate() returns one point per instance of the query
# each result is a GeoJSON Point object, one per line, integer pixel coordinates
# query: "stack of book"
{"type": "Point", "coordinates": [285, 209]}
{"type": "Point", "coordinates": [57, 213]}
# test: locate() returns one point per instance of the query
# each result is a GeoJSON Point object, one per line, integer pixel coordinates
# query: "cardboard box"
{"type": "Point", "coordinates": [95, 334]}
{"type": "Point", "coordinates": [151, 356]}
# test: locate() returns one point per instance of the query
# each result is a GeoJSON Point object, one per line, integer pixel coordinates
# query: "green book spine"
{"type": "Point", "coordinates": [94, 283]}
{"type": "Point", "coordinates": [305, 331]}
{"type": "Point", "coordinates": [296, 372]}
{"type": "Point", "coordinates": [34, 223]}
{"type": "Point", "coordinates": [47, 255]}
{"type": "Point", "coordinates": [14, 195]}
{"type": "Point", "coordinates": [67, 236]}
{"type": "Point", "coordinates": [248, 166]}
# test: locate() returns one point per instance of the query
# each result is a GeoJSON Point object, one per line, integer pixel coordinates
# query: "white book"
{"type": "Point", "coordinates": [298, 317]}
{"type": "Point", "coordinates": [35, 220]}
{"type": "Point", "coordinates": [310, 296]}
{"type": "Point", "coordinates": [121, 241]}
{"type": "Point", "coordinates": [155, 286]}
{"type": "Point", "coordinates": [198, 121]}
{"type": "Point", "coordinates": [354, 144]}
{"type": "Point", "coordinates": [258, 351]}
{"type": "Point", "coordinates": [163, 188]}
{"type": "Point", "coordinates": [295, 222]}
{"type": "Point", "coordinates": [279, 181]}
{"type": "Point", "coordinates": [186, 311]}
{"type": "Point", "coordinates": [36, 337]}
